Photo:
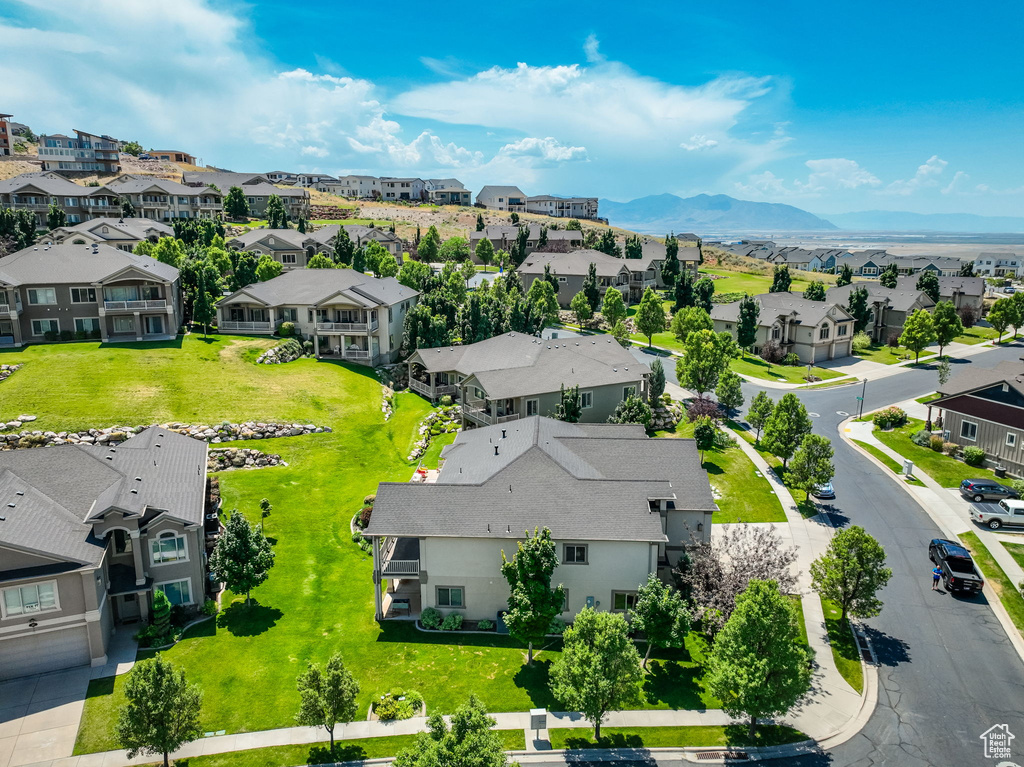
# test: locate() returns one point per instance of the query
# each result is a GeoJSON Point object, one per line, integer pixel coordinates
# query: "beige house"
{"type": "Point", "coordinates": [503, 237]}
{"type": "Point", "coordinates": [814, 330]}
{"type": "Point", "coordinates": [257, 189]}
{"type": "Point", "coordinates": [163, 200]}
{"type": "Point", "coordinates": [348, 315]}
{"type": "Point", "coordinates": [354, 187]}
{"type": "Point", "coordinates": [121, 233]}
{"type": "Point", "coordinates": [890, 307]}
{"type": "Point", "coordinates": [515, 376]}
{"type": "Point", "coordinates": [447, 191]}
{"type": "Point", "coordinates": [960, 291]}
{"type": "Point", "coordinates": [619, 505]}
{"type": "Point", "coordinates": [88, 532]}
{"type": "Point", "coordinates": [572, 268]}
{"type": "Point", "coordinates": [293, 249]}
{"type": "Point", "coordinates": [563, 207]}
{"type": "Point", "coordinates": [35, 192]}
{"type": "Point", "coordinates": [506, 198]}
{"type": "Point", "coordinates": [67, 292]}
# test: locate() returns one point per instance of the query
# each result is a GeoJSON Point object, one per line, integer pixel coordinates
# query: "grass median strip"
{"type": "Point", "coordinates": [844, 646]}
{"type": "Point", "coordinates": [1016, 551]}
{"type": "Point", "coordinates": [885, 459]}
{"type": "Point", "coordinates": [996, 578]}
{"type": "Point", "coordinates": [945, 470]}
{"type": "Point", "coordinates": [673, 737]}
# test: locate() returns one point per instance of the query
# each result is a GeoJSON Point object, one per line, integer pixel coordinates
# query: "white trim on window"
{"type": "Point", "coordinates": [627, 598]}
{"type": "Point", "coordinates": [973, 430]}
{"type": "Point", "coordinates": [1011, 439]}
{"type": "Point", "coordinates": [39, 603]}
{"type": "Point", "coordinates": [51, 324]}
{"type": "Point", "coordinates": [35, 293]}
{"type": "Point", "coordinates": [586, 400]}
{"type": "Point", "coordinates": [179, 549]}
{"type": "Point", "coordinates": [176, 581]}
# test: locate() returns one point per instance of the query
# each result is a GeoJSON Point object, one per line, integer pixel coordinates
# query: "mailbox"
{"type": "Point", "coordinates": [908, 468]}
{"type": "Point", "coordinates": [538, 719]}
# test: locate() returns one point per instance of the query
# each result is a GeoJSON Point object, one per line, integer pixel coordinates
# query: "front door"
{"type": "Point", "coordinates": [127, 608]}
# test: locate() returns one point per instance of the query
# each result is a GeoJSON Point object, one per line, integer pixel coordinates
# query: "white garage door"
{"type": "Point", "coordinates": [40, 653]}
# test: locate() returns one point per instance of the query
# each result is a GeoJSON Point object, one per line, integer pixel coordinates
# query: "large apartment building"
{"type": "Point", "coordinates": [35, 192]}
{"type": "Point", "coordinates": [257, 189]}
{"type": "Point", "coordinates": [6, 142]}
{"type": "Point", "coordinates": [163, 200]}
{"type": "Point", "coordinates": [84, 152]}
{"type": "Point", "coordinates": [562, 207]}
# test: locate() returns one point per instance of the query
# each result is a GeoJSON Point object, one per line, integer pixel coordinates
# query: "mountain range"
{"type": "Point", "coordinates": [710, 214]}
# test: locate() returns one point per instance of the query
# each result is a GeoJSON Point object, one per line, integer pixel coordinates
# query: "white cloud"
{"type": "Point", "coordinates": [927, 176]}
{"type": "Point", "coordinates": [838, 173]}
{"type": "Point", "coordinates": [765, 184]}
{"type": "Point", "coordinates": [548, 151]}
{"type": "Point", "coordinates": [315, 151]}
{"type": "Point", "coordinates": [592, 49]}
{"type": "Point", "coordinates": [698, 143]}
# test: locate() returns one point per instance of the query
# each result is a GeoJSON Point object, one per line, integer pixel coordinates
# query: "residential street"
{"type": "Point", "coordinates": [947, 670]}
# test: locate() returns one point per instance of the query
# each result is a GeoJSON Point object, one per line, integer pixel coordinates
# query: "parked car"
{"type": "Point", "coordinates": [958, 571]}
{"type": "Point", "coordinates": [145, 156]}
{"type": "Point", "coordinates": [825, 491]}
{"type": "Point", "coordinates": [1009, 290]}
{"type": "Point", "coordinates": [1008, 512]}
{"type": "Point", "coordinates": [979, 490]}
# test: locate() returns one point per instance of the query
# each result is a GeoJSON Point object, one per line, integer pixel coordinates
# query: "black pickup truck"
{"type": "Point", "coordinates": [958, 571]}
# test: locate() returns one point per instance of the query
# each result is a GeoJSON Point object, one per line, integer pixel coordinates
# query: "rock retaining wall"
{"type": "Point", "coordinates": [444, 419]}
{"type": "Point", "coordinates": [287, 351]}
{"type": "Point", "coordinates": [6, 371]}
{"type": "Point", "coordinates": [666, 416]}
{"type": "Point", "coordinates": [227, 458]}
{"type": "Point", "coordinates": [114, 435]}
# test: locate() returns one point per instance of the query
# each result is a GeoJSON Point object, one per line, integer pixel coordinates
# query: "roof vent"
{"type": "Point", "coordinates": [510, 526]}
{"type": "Point", "coordinates": [133, 491]}
{"type": "Point", "coordinates": [10, 505]}
{"type": "Point", "coordinates": [20, 492]}
{"type": "Point", "coordinates": [110, 458]}
{"type": "Point", "coordinates": [503, 433]}
{"type": "Point", "coordinates": [495, 449]}
{"type": "Point", "coordinates": [138, 479]}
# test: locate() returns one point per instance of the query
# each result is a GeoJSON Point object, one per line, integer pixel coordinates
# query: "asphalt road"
{"type": "Point", "coordinates": [947, 671]}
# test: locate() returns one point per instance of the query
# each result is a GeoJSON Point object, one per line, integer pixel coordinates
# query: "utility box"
{"type": "Point", "coordinates": [908, 468]}
{"type": "Point", "coordinates": [538, 719]}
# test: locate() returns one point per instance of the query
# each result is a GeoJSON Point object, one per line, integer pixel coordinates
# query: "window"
{"type": "Point", "coordinates": [841, 330]}
{"type": "Point", "coordinates": [628, 391]}
{"type": "Point", "coordinates": [574, 554]}
{"type": "Point", "coordinates": [728, 326]}
{"type": "Point", "coordinates": [178, 592]}
{"type": "Point", "coordinates": [122, 542]}
{"type": "Point", "coordinates": [151, 292]}
{"type": "Point", "coordinates": [623, 600]}
{"type": "Point", "coordinates": [776, 333]}
{"type": "Point", "coordinates": [87, 324]}
{"type": "Point", "coordinates": [40, 327]}
{"type": "Point", "coordinates": [71, 202]}
{"type": "Point", "coordinates": [823, 332]}
{"type": "Point", "coordinates": [288, 258]}
{"type": "Point", "coordinates": [450, 596]}
{"type": "Point", "coordinates": [532, 407]}
{"type": "Point", "coordinates": [83, 295]}
{"type": "Point", "coordinates": [124, 324]}
{"type": "Point", "coordinates": [969, 431]}
{"type": "Point", "coordinates": [586, 399]}
{"type": "Point", "coordinates": [1011, 439]}
{"type": "Point", "coordinates": [169, 547]}
{"type": "Point", "coordinates": [42, 296]}
{"type": "Point", "coordinates": [33, 598]}
{"type": "Point", "coordinates": [561, 279]}
{"type": "Point", "coordinates": [290, 315]}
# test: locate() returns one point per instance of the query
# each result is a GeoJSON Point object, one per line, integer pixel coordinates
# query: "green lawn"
{"type": "Point", "coordinates": [799, 605]}
{"type": "Point", "coordinates": [885, 459]}
{"type": "Point", "coordinates": [756, 367]}
{"type": "Point", "coordinates": [977, 335]}
{"type": "Point", "coordinates": [747, 282]}
{"type": "Point", "coordinates": [928, 398]}
{"type": "Point", "coordinates": [319, 597]}
{"type": "Point", "coordinates": [356, 749]}
{"type": "Point", "coordinates": [995, 576]}
{"type": "Point", "coordinates": [945, 470]}
{"type": "Point", "coordinates": [669, 737]}
{"type": "Point", "coordinates": [1016, 551]}
{"type": "Point", "coordinates": [746, 496]}
{"type": "Point", "coordinates": [432, 456]}
{"type": "Point", "coordinates": [844, 646]}
{"type": "Point", "coordinates": [888, 355]}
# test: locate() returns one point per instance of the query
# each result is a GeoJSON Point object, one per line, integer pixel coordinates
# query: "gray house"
{"type": "Point", "coordinates": [503, 237]}
{"type": "Point", "coordinates": [572, 268]}
{"type": "Point", "coordinates": [513, 376]}
{"type": "Point", "coordinates": [960, 291]}
{"type": "Point", "coordinates": [293, 248]}
{"type": "Point", "coordinates": [890, 307]}
{"type": "Point", "coordinates": [86, 291]}
{"type": "Point", "coordinates": [506, 198]}
{"type": "Point", "coordinates": [121, 233]}
{"type": "Point", "coordinates": [257, 188]}
{"type": "Point", "coordinates": [411, 189]}
{"type": "Point", "coordinates": [88, 532]}
{"type": "Point", "coordinates": [620, 506]}
{"type": "Point", "coordinates": [350, 316]}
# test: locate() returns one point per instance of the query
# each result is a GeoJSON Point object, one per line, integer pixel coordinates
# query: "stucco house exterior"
{"type": "Point", "coordinates": [35, 192]}
{"type": "Point", "coordinates": [890, 307]}
{"type": "Point", "coordinates": [293, 249]}
{"type": "Point", "coordinates": [87, 291]}
{"type": "Point", "coordinates": [350, 316]}
{"type": "Point", "coordinates": [814, 330]}
{"type": "Point", "coordinates": [619, 506]}
{"type": "Point", "coordinates": [960, 291]}
{"type": "Point", "coordinates": [411, 189]}
{"type": "Point", "coordinates": [985, 408]}
{"type": "Point", "coordinates": [497, 197]}
{"type": "Point", "coordinates": [352, 186]}
{"type": "Point", "coordinates": [572, 268]}
{"type": "Point", "coordinates": [447, 191]}
{"type": "Point", "coordinates": [88, 533]}
{"type": "Point", "coordinates": [121, 233]}
{"type": "Point", "coordinates": [163, 200]}
{"type": "Point", "coordinates": [515, 376]}
{"type": "Point", "coordinates": [990, 264]}
{"type": "Point", "coordinates": [257, 188]}
{"type": "Point", "coordinates": [563, 207]}
{"type": "Point", "coordinates": [503, 237]}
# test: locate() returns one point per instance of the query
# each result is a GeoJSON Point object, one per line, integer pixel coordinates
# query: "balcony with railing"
{"type": "Point", "coordinates": [347, 327]}
{"type": "Point", "coordinates": [134, 306]}
{"type": "Point", "coordinates": [431, 390]}
{"type": "Point", "coordinates": [400, 558]}
{"type": "Point", "coordinates": [487, 413]}
{"type": "Point", "coordinates": [238, 326]}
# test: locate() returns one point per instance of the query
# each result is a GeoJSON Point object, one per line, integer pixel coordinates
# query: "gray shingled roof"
{"type": "Point", "coordinates": [574, 263]}
{"type": "Point", "coordinates": [284, 239]}
{"type": "Point", "coordinates": [304, 287]}
{"type": "Point", "coordinates": [62, 488]}
{"type": "Point", "coordinates": [971, 286]}
{"type": "Point", "coordinates": [76, 264]}
{"type": "Point", "coordinates": [900, 299]}
{"type": "Point", "coordinates": [582, 482]}
{"type": "Point", "coordinates": [136, 184]}
{"type": "Point", "coordinates": [972, 378]}
{"type": "Point", "coordinates": [773, 304]}
{"type": "Point", "coordinates": [120, 228]}
{"type": "Point", "coordinates": [510, 231]}
{"type": "Point", "coordinates": [52, 184]}
{"type": "Point", "coordinates": [517, 365]}
{"type": "Point", "coordinates": [500, 191]}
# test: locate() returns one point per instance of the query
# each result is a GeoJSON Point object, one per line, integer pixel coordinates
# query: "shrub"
{"type": "Point", "coordinates": [890, 417]}
{"type": "Point", "coordinates": [936, 443]}
{"type": "Point", "coordinates": [771, 352]}
{"type": "Point", "coordinates": [307, 347]}
{"type": "Point", "coordinates": [357, 537]}
{"type": "Point", "coordinates": [210, 607]}
{"type": "Point", "coordinates": [950, 448]}
{"type": "Point", "coordinates": [893, 340]}
{"type": "Point", "coordinates": [431, 618]}
{"type": "Point", "coordinates": [364, 516]}
{"type": "Point", "coordinates": [390, 708]}
{"type": "Point", "coordinates": [703, 407]}
{"type": "Point", "coordinates": [791, 359]}
{"type": "Point", "coordinates": [861, 341]}
{"type": "Point", "coordinates": [452, 622]}
{"type": "Point", "coordinates": [973, 456]}
{"type": "Point", "coordinates": [922, 438]}
{"type": "Point", "coordinates": [365, 546]}
{"type": "Point", "coordinates": [95, 333]}
{"type": "Point", "coordinates": [370, 499]}
{"type": "Point", "coordinates": [67, 335]}
{"type": "Point", "coordinates": [557, 626]}
{"type": "Point", "coordinates": [81, 335]}
{"type": "Point", "coordinates": [968, 316]}
{"type": "Point", "coordinates": [1018, 485]}
{"type": "Point", "coordinates": [446, 400]}
{"type": "Point", "coordinates": [485, 625]}
{"type": "Point", "coordinates": [50, 335]}
{"type": "Point", "coordinates": [286, 329]}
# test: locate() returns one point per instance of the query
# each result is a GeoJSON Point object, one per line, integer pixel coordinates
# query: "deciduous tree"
{"type": "Point", "coordinates": [851, 572]}
{"type": "Point", "coordinates": [634, 247]}
{"type": "Point", "coordinates": [542, 301]}
{"type": "Point", "coordinates": [599, 668]}
{"type": "Point", "coordinates": [621, 334]}
{"type": "Point", "coordinates": [757, 666]}
{"type": "Point", "coordinates": [320, 261]}
{"type": "Point", "coordinates": [532, 603]}
{"type": "Point", "coordinates": [203, 310]}
{"type": "Point", "coordinates": [650, 315]}
{"type": "Point", "coordinates": [55, 217]}
{"type": "Point", "coordinates": [580, 306]}
{"type": "Point", "coordinates": [267, 268]}
{"type": "Point", "coordinates": [413, 273]}
{"type": "Point", "coordinates": [728, 392]}
{"type": "Point", "coordinates": [785, 429]}
{"type": "Point", "coordinates": [277, 218]}
{"type": "Point", "coordinates": [469, 742]}
{"type": "Point", "coordinates": [632, 410]}
{"type": "Point", "coordinates": [236, 207]}
{"type": "Point", "coordinates": [812, 464]}
{"type": "Point", "coordinates": [706, 355]}
{"type": "Point", "coordinates": [689, 320]}
{"type": "Point", "coordinates": [704, 434]}
{"type": "Point", "coordinates": [328, 695]}
{"type": "Point", "coordinates": [661, 614]}
{"type": "Point", "coordinates": [761, 409]}
{"type": "Point", "coordinates": [1001, 316]}
{"type": "Point", "coordinates": [613, 307]}
{"type": "Point", "coordinates": [161, 710]}
{"type": "Point", "coordinates": [703, 290]}
{"type": "Point", "coordinates": [243, 557]}
{"type": "Point", "coordinates": [918, 332]}
{"type": "Point", "coordinates": [388, 265]}
{"type": "Point", "coordinates": [946, 323]}
{"type": "Point", "coordinates": [485, 251]}
{"type": "Point", "coordinates": [845, 276]}
{"type": "Point", "coordinates": [889, 276]}
{"type": "Point", "coordinates": [168, 250]}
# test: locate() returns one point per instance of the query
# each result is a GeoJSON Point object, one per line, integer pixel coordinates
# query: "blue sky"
{"type": "Point", "coordinates": [830, 107]}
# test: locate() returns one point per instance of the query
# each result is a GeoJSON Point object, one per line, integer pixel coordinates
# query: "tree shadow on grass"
{"type": "Point", "coordinates": [342, 753]}
{"type": "Point", "coordinates": [612, 740]}
{"type": "Point", "coordinates": [709, 466]}
{"type": "Point", "coordinates": [100, 687]}
{"type": "Point", "coordinates": [675, 685]}
{"type": "Point", "coordinates": [247, 621]}
{"type": "Point", "coordinates": [766, 735]}
{"type": "Point", "coordinates": [535, 680]}
{"type": "Point", "coordinates": [405, 632]}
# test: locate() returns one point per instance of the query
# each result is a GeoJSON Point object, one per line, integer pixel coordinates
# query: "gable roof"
{"type": "Point", "coordinates": [583, 482]}
{"type": "Point", "coordinates": [971, 286]}
{"type": "Point", "coordinates": [63, 264]}
{"type": "Point", "coordinates": [52, 184]}
{"type": "Point", "coordinates": [573, 263]}
{"type": "Point", "coordinates": [118, 229]}
{"type": "Point", "coordinates": [304, 287]}
{"type": "Point", "coordinates": [517, 365]}
{"type": "Point", "coordinates": [135, 184]}
{"type": "Point", "coordinates": [973, 378]}
{"type": "Point", "coordinates": [492, 190]}
{"type": "Point", "coordinates": [775, 304]}
{"type": "Point", "coordinates": [900, 299]}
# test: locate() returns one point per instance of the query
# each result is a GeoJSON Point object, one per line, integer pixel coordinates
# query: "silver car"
{"type": "Point", "coordinates": [1008, 512]}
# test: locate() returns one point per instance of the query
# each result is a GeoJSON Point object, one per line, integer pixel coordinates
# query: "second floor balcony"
{"type": "Point", "coordinates": [134, 306]}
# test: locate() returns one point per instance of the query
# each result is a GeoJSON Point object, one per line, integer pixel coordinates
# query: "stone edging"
{"type": "Point", "coordinates": [230, 458]}
{"type": "Point", "coordinates": [115, 435]}
{"type": "Point", "coordinates": [6, 371]}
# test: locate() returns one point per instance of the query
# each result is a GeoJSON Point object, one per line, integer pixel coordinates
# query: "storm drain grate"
{"type": "Point", "coordinates": [736, 756]}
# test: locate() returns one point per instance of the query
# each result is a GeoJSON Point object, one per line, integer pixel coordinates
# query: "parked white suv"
{"type": "Point", "coordinates": [1009, 512]}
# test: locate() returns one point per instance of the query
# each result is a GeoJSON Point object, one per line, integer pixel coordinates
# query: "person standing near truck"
{"type": "Point", "coordinates": [936, 577]}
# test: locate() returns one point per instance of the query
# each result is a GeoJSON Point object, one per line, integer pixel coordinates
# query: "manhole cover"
{"type": "Point", "coordinates": [843, 413]}
{"type": "Point", "coordinates": [814, 415]}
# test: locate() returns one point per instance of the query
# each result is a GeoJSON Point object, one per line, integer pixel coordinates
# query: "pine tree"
{"type": "Point", "coordinates": [656, 382]}
{"type": "Point", "coordinates": [815, 291]}
{"type": "Point", "coordinates": [928, 283]}
{"type": "Point", "coordinates": [161, 616]}
{"type": "Point", "coordinates": [542, 240]}
{"type": "Point", "coordinates": [480, 222]}
{"type": "Point", "coordinates": [276, 216]}
{"type": "Point", "coordinates": [569, 407]}
{"type": "Point", "coordinates": [857, 306]}
{"type": "Point", "coordinates": [845, 276]}
{"type": "Point", "coordinates": [236, 207]}
{"type": "Point", "coordinates": [302, 225]}
{"type": "Point", "coordinates": [889, 276]}
{"type": "Point", "coordinates": [634, 247]}
{"type": "Point", "coordinates": [127, 209]}
{"type": "Point", "coordinates": [429, 246]}
{"type": "Point", "coordinates": [670, 270]}
{"type": "Point", "coordinates": [522, 243]}
{"type": "Point", "coordinates": [55, 217]}
{"type": "Point", "coordinates": [703, 290]}
{"type": "Point", "coordinates": [746, 325]}
{"type": "Point", "coordinates": [590, 289]}
{"type": "Point", "coordinates": [344, 249]}
{"type": "Point", "coordinates": [781, 280]}
{"type": "Point", "coordinates": [684, 291]}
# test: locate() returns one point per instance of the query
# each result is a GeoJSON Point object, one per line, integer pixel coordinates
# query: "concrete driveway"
{"type": "Point", "coordinates": [40, 716]}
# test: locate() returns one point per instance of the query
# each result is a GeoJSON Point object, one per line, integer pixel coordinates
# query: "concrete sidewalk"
{"type": "Point", "coordinates": [951, 513]}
